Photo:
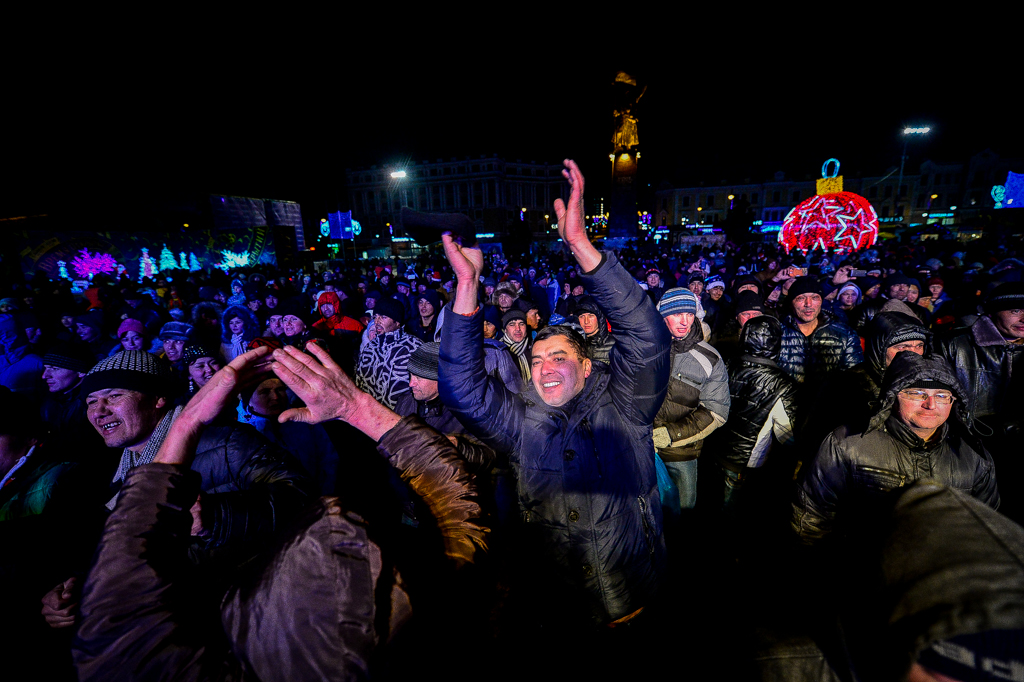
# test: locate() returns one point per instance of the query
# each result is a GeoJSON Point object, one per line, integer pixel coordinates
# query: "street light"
{"type": "Point", "coordinates": [907, 132]}
{"type": "Point", "coordinates": [398, 174]}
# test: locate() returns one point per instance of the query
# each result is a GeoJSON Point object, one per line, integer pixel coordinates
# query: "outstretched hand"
{"type": "Point", "coordinates": [572, 227]}
{"type": "Point", "coordinates": [328, 393]}
{"type": "Point", "coordinates": [468, 264]}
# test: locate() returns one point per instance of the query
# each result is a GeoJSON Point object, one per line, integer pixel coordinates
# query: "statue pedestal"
{"type": "Point", "coordinates": [623, 220]}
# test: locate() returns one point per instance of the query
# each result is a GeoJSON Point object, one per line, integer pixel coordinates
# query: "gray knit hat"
{"type": "Point", "coordinates": [677, 300]}
{"type": "Point", "coordinates": [132, 370]}
{"type": "Point", "coordinates": [179, 331]}
{"type": "Point", "coordinates": [423, 361]}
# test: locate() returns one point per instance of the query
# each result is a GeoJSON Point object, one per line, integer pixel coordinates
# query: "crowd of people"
{"type": "Point", "coordinates": [721, 458]}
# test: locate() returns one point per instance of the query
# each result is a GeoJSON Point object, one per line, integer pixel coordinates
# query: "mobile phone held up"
{"type": "Point", "coordinates": [858, 273]}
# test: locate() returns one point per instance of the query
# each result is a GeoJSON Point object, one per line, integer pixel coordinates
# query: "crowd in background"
{"type": "Point", "coordinates": [791, 398]}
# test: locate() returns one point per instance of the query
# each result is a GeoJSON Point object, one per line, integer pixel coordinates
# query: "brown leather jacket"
{"type": "Point", "coordinates": [282, 616]}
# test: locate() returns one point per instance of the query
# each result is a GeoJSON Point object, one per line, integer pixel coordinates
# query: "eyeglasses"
{"type": "Point", "coordinates": [919, 396]}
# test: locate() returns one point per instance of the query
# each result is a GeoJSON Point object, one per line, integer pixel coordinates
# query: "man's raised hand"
{"type": "Point", "coordinates": [572, 227]}
{"type": "Point", "coordinates": [467, 263]}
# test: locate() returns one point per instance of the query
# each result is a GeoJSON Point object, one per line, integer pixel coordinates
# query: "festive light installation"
{"type": "Point", "coordinates": [231, 260]}
{"type": "Point", "coordinates": [62, 267]}
{"type": "Point", "coordinates": [831, 218]}
{"type": "Point", "coordinates": [183, 258]}
{"type": "Point", "coordinates": [88, 264]}
{"type": "Point", "coordinates": [146, 265]}
{"type": "Point", "coordinates": [167, 261]}
{"type": "Point", "coordinates": [193, 262]}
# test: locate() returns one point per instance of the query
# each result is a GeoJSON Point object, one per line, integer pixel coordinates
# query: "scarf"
{"type": "Point", "coordinates": [237, 346]}
{"type": "Point", "coordinates": [131, 459]}
{"type": "Point", "coordinates": [518, 351]}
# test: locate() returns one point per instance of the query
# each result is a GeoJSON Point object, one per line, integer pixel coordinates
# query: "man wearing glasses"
{"type": "Point", "coordinates": [920, 430]}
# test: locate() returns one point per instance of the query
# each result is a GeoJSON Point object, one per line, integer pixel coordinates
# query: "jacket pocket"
{"type": "Point", "coordinates": [875, 478]}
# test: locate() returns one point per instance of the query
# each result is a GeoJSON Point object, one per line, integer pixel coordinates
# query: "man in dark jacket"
{"type": "Point", "coordinates": [908, 438]}
{"type": "Point", "coordinates": [318, 607]}
{"type": "Point", "coordinates": [762, 398]}
{"type": "Point", "coordinates": [595, 327]}
{"type": "Point", "coordinates": [697, 401]}
{"type": "Point", "coordinates": [249, 486]}
{"type": "Point", "coordinates": [579, 437]}
{"type": "Point", "coordinates": [989, 360]}
{"type": "Point", "coordinates": [813, 343]}
{"type": "Point", "coordinates": [896, 287]}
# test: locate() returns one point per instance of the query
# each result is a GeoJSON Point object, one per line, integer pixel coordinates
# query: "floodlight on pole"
{"type": "Point", "coordinates": [398, 174]}
{"type": "Point", "coordinates": [907, 132]}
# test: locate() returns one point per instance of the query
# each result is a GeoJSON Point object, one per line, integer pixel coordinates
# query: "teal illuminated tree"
{"type": "Point", "coordinates": [167, 261]}
{"type": "Point", "coordinates": [183, 258]}
{"type": "Point", "coordinates": [193, 262]}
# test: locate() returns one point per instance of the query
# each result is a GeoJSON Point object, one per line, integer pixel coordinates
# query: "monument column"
{"type": "Point", "coordinates": [625, 156]}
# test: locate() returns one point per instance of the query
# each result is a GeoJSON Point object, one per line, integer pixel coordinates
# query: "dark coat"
{"type": "Point", "coordinates": [316, 607]}
{"type": "Point", "coordinates": [831, 346]}
{"type": "Point", "coordinates": [587, 483]}
{"type": "Point", "coordinates": [851, 470]}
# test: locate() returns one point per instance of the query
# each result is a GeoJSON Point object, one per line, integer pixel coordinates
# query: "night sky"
{"type": "Point", "coordinates": [105, 135]}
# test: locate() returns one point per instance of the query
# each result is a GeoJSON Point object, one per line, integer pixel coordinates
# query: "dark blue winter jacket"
{"type": "Point", "coordinates": [587, 486]}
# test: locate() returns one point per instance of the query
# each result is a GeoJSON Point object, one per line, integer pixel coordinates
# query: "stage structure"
{"type": "Point", "coordinates": [831, 218]}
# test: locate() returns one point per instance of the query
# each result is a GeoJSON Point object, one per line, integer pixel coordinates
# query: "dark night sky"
{"type": "Point", "coordinates": [112, 131]}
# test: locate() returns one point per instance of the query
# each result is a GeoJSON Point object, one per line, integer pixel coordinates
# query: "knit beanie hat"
{"type": "Point", "coordinates": [936, 280]}
{"type": "Point", "coordinates": [512, 314]}
{"type": "Point", "coordinates": [389, 307]}
{"type": "Point", "coordinates": [695, 277]}
{"type": "Point", "coordinates": [74, 356]}
{"type": "Point", "coordinates": [525, 305]}
{"type": "Point", "coordinates": [746, 301]}
{"type": "Point", "coordinates": [424, 360]}
{"type": "Point", "coordinates": [492, 314]}
{"type": "Point", "coordinates": [714, 281]}
{"type": "Point", "coordinates": [93, 318]}
{"type": "Point", "coordinates": [677, 300]}
{"type": "Point", "coordinates": [297, 307]}
{"type": "Point", "coordinates": [131, 370]}
{"type": "Point", "coordinates": [1006, 296]}
{"type": "Point", "coordinates": [805, 285]}
{"type": "Point", "coordinates": [431, 297]}
{"type": "Point", "coordinates": [194, 351]}
{"type": "Point", "coordinates": [178, 331]}
{"type": "Point", "coordinates": [131, 325]}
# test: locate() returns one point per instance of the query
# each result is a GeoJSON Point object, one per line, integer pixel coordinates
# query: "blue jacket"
{"type": "Point", "coordinates": [587, 486]}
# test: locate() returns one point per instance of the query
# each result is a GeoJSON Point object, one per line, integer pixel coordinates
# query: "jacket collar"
{"type": "Point", "coordinates": [902, 433]}
{"type": "Point", "coordinates": [985, 332]}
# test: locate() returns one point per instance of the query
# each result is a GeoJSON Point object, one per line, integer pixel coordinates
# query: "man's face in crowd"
{"type": "Point", "coordinates": [1010, 323]}
{"type": "Point", "coordinates": [696, 287]}
{"type": "Point", "coordinates": [202, 370]}
{"type": "Point", "coordinates": [716, 293]}
{"type": "Point", "coordinates": [271, 301]}
{"type": "Point", "coordinates": [425, 307]}
{"type": "Point", "coordinates": [747, 316]}
{"type": "Point", "coordinates": [384, 325]}
{"type": "Point", "coordinates": [489, 330]}
{"type": "Point", "coordinates": [913, 293]}
{"type": "Point", "coordinates": [807, 307]}
{"type": "Point", "coordinates": [219, 297]}
{"type": "Point", "coordinates": [516, 330]}
{"type": "Point", "coordinates": [935, 289]}
{"type": "Point", "coordinates": [132, 340]}
{"type": "Point", "coordinates": [59, 379]}
{"type": "Point", "coordinates": [533, 318]}
{"type": "Point", "coordinates": [848, 298]}
{"type": "Point", "coordinates": [899, 291]}
{"type": "Point", "coordinates": [236, 289]}
{"type": "Point", "coordinates": [274, 324]}
{"type": "Point", "coordinates": [403, 289]}
{"type": "Point", "coordinates": [370, 302]}
{"type": "Point", "coordinates": [923, 417]}
{"type": "Point", "coordinates": [577, 290]}
{"type": "Point", "coordinates": [504, 301]}
{"type": "Point", "coordinates": [488, 291]}
{"type": "Point", "coordinates": [589, 323]}
{"type": "Point", "coordinates": [254, 304]}
{"type": "Point", "coordinates": [558, 372]}
{"type": "Point", "coordinates": [912, 346]}
{"type": "Point", "coordinates": [327, 309]}
{"type": "Point", "coordinates": [362, 287]}
{"type": "Point", "coordinates": [680, 324]}
{"type": "Point", "coordinates": [748, 287]}
{"type": "Point", "coordinates": [653, 280]}
{"type": "Point", "coordinates": [423, 389]}
{"type": "Point", "coordinates": [173, 349]}
{"type": "Point", "coordinates": [292, 325]}
{"type": "Point", "coordinates": [873, 291]}
{"type": "Point", "coordinates": [67, 321]}
{"type": "Point", "coordinates": [236, 325]}
{"type": "Point", "coordinates": [328, 286]}
{"type": "Point", "coordinates": [86, 333]}
{"type": "Point", "coordinates": [270, 398]}
{"type": "Point", "coordinates": [125, 419]}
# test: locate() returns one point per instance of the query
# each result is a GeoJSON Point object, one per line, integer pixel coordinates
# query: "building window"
{"type": "Point", "coordinates": [743, 197]}
{"type": "Point", "coordinates": [753, 198]}
{"type": "Point", "coordinates": [711, 200]}
{"type": "Point", "coordinates": [664, 204]}
{"type": "Point", "coordinates": [776, 196]}
{"type": "Point", "coordinates": [888, 191]}
{"type": "Point", "coordinates": [920, 200]}
{"type": "Point", "coordinates": [796, 196]}
{"type": "Point", "coordinates": [903, 191]}
{"type": "Point", "coordinates": [873, 193]}
{"type": "Point", "coordinates": [686, 201]}
{"type": "Point", "coordinates": [478, 194]}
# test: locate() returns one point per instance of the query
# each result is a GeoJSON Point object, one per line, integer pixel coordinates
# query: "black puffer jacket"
{"type": "Point", "coordinates": [601, 342]}
{"type": "Point", "coordinates": [851, 469]}
{"type": "Point", "coordinates": [808, 359]}
{"type": "Point", "coordinates": [756, 385]}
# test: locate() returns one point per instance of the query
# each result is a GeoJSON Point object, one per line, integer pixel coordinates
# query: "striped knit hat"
{"type": "Point", "coordinates": [131, 370]}
{"type": "Point", "coordinates": [677, 300]}
{"type": "Point", "coordinates": [424, 360]}
{"type": "Point", "coordinates": [74, 356]}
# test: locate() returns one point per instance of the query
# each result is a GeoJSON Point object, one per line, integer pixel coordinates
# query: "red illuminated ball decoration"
{"type": "Point", "coordinates": [830, 219]}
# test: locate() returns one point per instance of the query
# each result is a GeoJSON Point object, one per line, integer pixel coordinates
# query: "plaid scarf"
{"type": "Point", "coordinates": [518, 351]}
{"type": "Point", "coordinates": [131, 459]}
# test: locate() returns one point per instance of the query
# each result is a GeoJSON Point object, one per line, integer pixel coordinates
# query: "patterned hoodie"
{"type": "Point", "coordinates": [382, 370]}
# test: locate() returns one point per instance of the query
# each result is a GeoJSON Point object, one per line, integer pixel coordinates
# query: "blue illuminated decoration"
{"type": "Point", "coordinates": [769, 226]}
{"type": "Point", "coordinates": [357, 229]}
{"type": "Point", "coordinates": [522, 214]}
{"type": "Point", "coordinates": [1012, 191]}
{"type": "Point", "coordinates": [484, 235]}
{"type": "Point", "coordinates": [644, 221]}
{"type": "Point", "coordinates": [325, 227]}
{"type": "Point", "coordinates": [998, 194]}
{"type": "Point", "coordinates": [824, 168]}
